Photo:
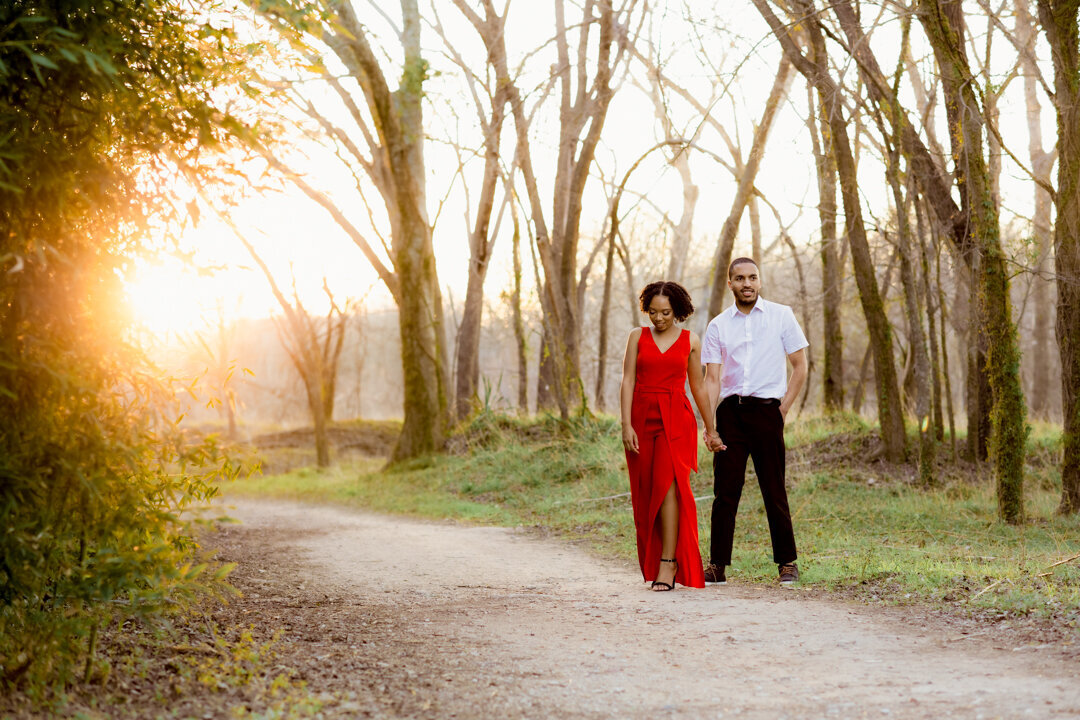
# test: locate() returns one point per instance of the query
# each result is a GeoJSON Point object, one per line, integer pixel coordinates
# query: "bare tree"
{"type": "Point", "coordinates": [679, 158]}
{"type": "Point", "coordinates": [314, 351]}
{"type": "Point", "coordinates": [726, 242]}
{"type": "Point", "coordinates": [520, 341]}
{"type": "Point", "coordinates": [491, 111]}
{"type": "Point", "coordinates": [944, 25]}
{"type": "Point", "coordinates": [816, 71]}
{"type": "Point", "coordinates": [583, 105]}
{"type": "Point", "coordinates": [386, 142]}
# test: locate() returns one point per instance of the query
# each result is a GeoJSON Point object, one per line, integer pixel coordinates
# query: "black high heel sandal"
{"type": "Point", "coordinates": [665, 587]}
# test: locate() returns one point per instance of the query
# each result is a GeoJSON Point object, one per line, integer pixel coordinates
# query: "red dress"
{"type": "Point", "coordinates": [667, 441]}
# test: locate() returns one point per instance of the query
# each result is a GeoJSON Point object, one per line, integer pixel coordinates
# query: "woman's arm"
{"type": "Point", "coordinates": [626, 390]}
{"type": "Point", "coordinates": [703, 399]}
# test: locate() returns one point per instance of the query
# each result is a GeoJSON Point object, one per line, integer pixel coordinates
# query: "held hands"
{"type": "Point", "coordinates": [713, 441]}
{"type": "Point", "coordinates": [629, 439]}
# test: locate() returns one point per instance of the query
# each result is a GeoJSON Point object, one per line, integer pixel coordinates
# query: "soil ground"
{"type": "Point", "coordinates": [395, 618]}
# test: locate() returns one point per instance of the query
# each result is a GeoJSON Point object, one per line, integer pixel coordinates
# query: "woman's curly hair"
{"type": "Point", "coordinates": [681, 304]}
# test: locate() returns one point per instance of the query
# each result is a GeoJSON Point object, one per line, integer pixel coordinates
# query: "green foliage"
{"type": "Point", "coordinates": [103, 105]}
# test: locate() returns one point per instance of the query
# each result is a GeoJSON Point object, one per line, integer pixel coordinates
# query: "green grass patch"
{"type": "Point", "coordinates": [863, 527]}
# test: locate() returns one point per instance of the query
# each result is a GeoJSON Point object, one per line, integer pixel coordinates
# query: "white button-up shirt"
{"type": "Point", "coordinates": [753, 348]}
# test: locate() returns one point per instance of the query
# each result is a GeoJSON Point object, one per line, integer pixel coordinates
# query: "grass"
{"type": "Point", "coordinates": [863, 527]}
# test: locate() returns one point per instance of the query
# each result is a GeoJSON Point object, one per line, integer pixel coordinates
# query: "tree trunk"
{"type": "Point", "coordinates": [942, 305]}
{"type": "Point", "coordinates": [864, 367]}
{"type": "Point", "coordinates": [520, 341]}
{"type": "Point", "coordinates": [316, 404]}
{"type": "Point", "coordinates": [943, 22]}
{"type": "Point", "coordinates": [682, 233]}
{"type": "Point", "coordinates": [754, 216]}
{"type": "Point", "coordinates": [913, 310]}
{"type": "Point", "coordinates": [1042, 163]}
{"type": "Point", "coordinates": [804, 308]}
{"type": "Point", "coordinates": [468, 344]}
{"type": "Point", "coordinates": [832, 381]}
{"type": "Point", "coordinates": [936, 410]}
{"type": "Point", "coordinates": [583, 110]}
{"type": "Point", "coordinates": [605, 307]}
{"type": "Point", "coordinates": [481, 237]}
{"type": "Point", "coordinates": [396, 167]}
{"type": "Point", "coordinates": [920, 361]}
{"type": "Point", "coordinates": [890, 414]}
{"type": "Point", "coordinates": [1059, 21]}
{"type": "Point", "coordinates": [420, 311]}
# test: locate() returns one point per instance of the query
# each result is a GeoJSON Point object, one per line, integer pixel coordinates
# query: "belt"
{"type": "Point", "coordinates": [749, 400]}
{"type": "Point", "coordinates": [676, 397]}
{"type": "Point", "coordinates": [658, 389]}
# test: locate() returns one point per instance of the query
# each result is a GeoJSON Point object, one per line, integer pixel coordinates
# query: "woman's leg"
{"type": "Point", "coordinates": [669, 535]}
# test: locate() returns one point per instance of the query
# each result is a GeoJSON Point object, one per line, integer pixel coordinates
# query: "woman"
{"type": "Point", "coordinates": [660, 436]}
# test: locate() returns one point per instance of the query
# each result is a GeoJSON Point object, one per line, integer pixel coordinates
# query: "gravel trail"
{"type": "Point", "coordinates": [492, 622]}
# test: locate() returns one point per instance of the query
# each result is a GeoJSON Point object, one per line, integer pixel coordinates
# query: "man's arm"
{"type": "Point", "coordinates": [713, 373]}
{"type": "Point", "coordinates": [795, 382]}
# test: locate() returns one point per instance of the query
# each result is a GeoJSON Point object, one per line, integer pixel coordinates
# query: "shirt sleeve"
{"type": "Point", "coordinates": [791, 334]}
{"type": "Point", "coordinates": [712, 350]}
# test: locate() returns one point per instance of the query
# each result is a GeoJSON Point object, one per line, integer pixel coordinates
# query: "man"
{"type": "Point", "coordinates": [744, 350]}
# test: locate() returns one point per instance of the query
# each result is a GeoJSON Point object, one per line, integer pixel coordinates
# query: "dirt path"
{"type": "Point", "coordinates": [411, 619]}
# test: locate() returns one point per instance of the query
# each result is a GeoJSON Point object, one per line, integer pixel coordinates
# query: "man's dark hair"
{"type": "Point", "coordinates": [681, 304]}
{"type": "Point", "coordinates": [739, 261]}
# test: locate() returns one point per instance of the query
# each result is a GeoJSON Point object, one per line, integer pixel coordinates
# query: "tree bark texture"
{"type": "Point", "coordinates": [832, 381]}
{"type": "Point", "coordinates": [943, 22]}
{"type": "Point", "coordinates": [1059, 20]}
{"type": "Point", "coordinates": [605, 308]}
{"type": "Point", "coordinates": [936, 410]}
{"type": "Point", "coordinates": [398, 121]}
{"type": "Point", "coordinates": [520, 340]}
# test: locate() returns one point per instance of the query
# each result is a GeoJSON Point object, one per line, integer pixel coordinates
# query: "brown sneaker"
{"type": "Point", "coordinates": [714, 575]}
{"type": "Point", "coordinates": [789, 573]}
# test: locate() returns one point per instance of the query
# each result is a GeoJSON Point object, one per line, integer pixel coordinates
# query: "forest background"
{"type": "Point", "coordinates": [582, 162]}
{"type": "Point", "coordinates": [239, 218]}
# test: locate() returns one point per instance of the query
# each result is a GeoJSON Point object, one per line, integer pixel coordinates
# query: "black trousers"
{"type": "Point", "coordinates": [753, 430]}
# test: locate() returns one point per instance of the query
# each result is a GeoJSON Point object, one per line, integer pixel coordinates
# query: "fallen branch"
{"type": "Point", "coordinates": [1059, 562]}
{"type": "Point", "coordinates": [989, 587]}
{"type": "Point", "coordinates": [1046, 572]}
{"type": "Point", "coordinates": [598, 499]}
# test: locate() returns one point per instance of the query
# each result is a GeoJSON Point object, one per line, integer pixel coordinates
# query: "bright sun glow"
{"type": "Point", "coordinates": [172, 299]}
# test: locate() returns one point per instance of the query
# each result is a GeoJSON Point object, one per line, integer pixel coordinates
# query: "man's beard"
{"type": "Point", "coordinates": [743, 302]}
